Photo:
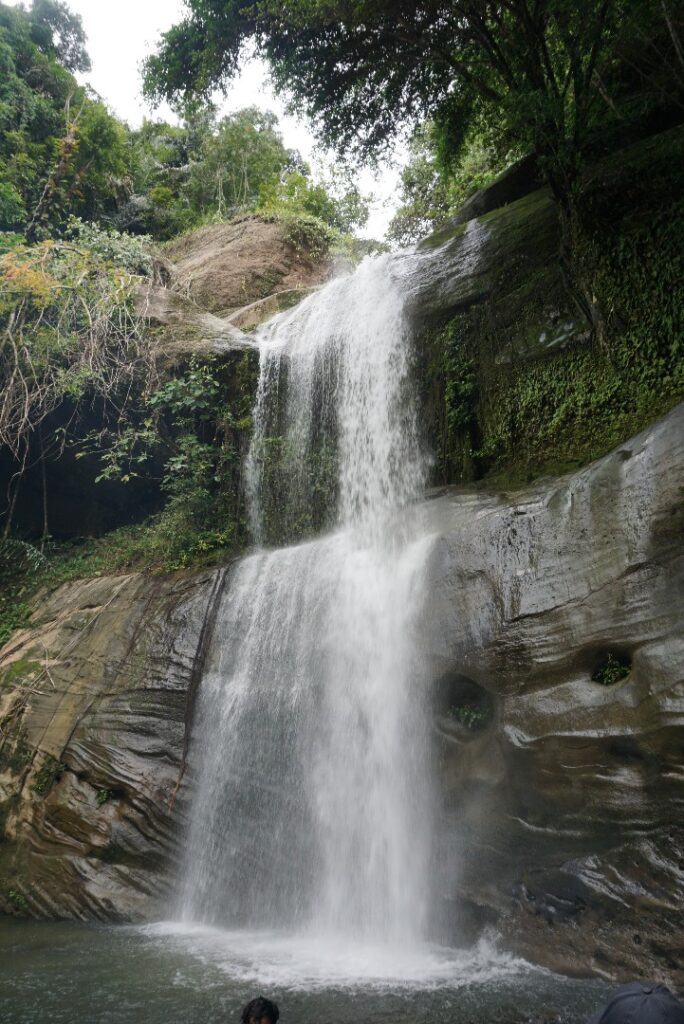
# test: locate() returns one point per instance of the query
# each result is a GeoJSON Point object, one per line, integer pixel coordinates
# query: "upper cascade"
{"type": "Point", "coordinates": [334, 399]}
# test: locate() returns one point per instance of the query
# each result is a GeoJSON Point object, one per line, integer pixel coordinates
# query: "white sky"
{"type": "Point", "coordinates": [120, 34]}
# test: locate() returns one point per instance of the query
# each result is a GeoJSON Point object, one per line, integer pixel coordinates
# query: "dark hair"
{"type": "Point", "coordinates": [259, 1008]}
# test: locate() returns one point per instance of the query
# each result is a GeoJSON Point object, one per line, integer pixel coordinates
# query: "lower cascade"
{"type": "Point", "coordinates": [314, 807]}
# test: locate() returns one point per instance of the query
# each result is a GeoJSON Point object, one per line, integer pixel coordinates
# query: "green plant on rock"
{"type": "Point", "coordinates": [450, 392]}
{"type": "Point", "coordinates": [298, 488]}
{"type": "Point", "coordinates": [612, 670]}
{"type": "Point", "coordinates": [21, 567]}
{"type": "Point", "coordinates": [307, 234]}
{"type": "Point", "coordinates": [18, 901]}
{"type": "Point", "coordinates": [136, 254]}
{"type": "Point", "coordinates": [469, 715]}
{"type": "Point", "coordinates": [549, 411]}
{"type": "Point", "coordinates": [71, 338]}
{"type": "Point", "coordinates": [103, 796]}
{"type": "Point", "coordinates": [47, 775]}
{"type": "Point", "coordinates": [15, 753]}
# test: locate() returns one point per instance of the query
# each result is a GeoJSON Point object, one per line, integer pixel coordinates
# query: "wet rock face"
{"type": "Point", "coordinates": [93, 707]}
{"type": "Point", "coordinates": [506, 260]}
{"type": "Point", "coordinates": [554, 635]}
{"type": "Point", "coordinates": [563, 815]}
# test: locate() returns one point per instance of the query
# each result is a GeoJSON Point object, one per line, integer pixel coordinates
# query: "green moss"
{"type": "Point", "coordinates": [298, 494]}
{"type": "Point", "coordinates": [18, 670]}
{"type": "Point", "coordinates": [14, 614]}
{"type": "Point", "coordinates": [441, 237]}
{"type": "Point", "coordinates": [468, 715]}
{"type": "Point", "coordinates": [450, 394]}
{"type": "Point", "coordinates": [512, 415]}
{"type": "Point", "coordinates": [15, 753]}
{"type": "Point", "coordinates": [611, 670]}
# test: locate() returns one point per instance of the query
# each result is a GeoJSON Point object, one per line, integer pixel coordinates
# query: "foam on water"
{"type": "Point", "coordinates": [276, 960]}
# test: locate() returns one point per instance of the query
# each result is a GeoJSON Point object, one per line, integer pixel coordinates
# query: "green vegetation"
{"type": "Point", "coordinates": [103, 796]}
{"type": "Point", "coordinates": [432, 193]}
{"type": "Point", "coordinates": [554, 79]}
{"type": "Point", "coordinates": [298, 492]}
{"type": "Point", "coordinates": [515, 417]}
{"type": "Point", "coordinates": [15, 755]}
{"type": "Point", "coordinates": [468, 715]}
{"type": "Point", "coordinates": [85, 203]}
{"type": "Point", "coordinates": [63, 155]}
{"type": "Point", "coordinates": [19, 669]}
{"type": "Point", "coordinates": [48, 773]}
{"type": "Point", "coordinates": [612, 670]}
{"type": "Point", "coordinates": [537, 77]}
{"type": "Point", "coordinates": [60, 150]}
{"type": "Point", "coordinates": [18, 901]}
{"type": "Point", "coordinates": [207, 170]}
{"type": "Point", "coordinates": [72, 340]}
{"type": "Point", "coordinates": [151, 545]}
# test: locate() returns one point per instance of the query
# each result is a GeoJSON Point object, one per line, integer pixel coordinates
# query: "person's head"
{"type": "Point", "coordinates": [260, 1011]}
{"type": "Point", "coordinates": [641, 1003]}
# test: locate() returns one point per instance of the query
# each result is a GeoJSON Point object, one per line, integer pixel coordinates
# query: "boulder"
{"type": "Point", "coordinates": [256, 313]}
{"type": "Point", "coordinates": [223, 267]}
{"type": "Point", "coordinates": [183, 330]}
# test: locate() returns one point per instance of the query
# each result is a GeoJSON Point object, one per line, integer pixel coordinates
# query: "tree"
{"type": "Point", "coordinates": [244, 151]}
{"type": "Point", "coordinates": [59, 32]}
{"type": "Point", "coordinates": [209, 169]}
{"type": "Point", "coordinates": [296, 192]}
{"type": "Point", "coordinates": [430, 193]}
{"type": "Point", "coordinates": [60, 148]}
{"type": "Point", "coordinates": [544, 73]}
{"type": "Point", "coordinates": [365, 68]}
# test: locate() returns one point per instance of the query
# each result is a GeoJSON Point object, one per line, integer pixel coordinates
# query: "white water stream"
{"type": "Point", "coordinates": [314, 810]}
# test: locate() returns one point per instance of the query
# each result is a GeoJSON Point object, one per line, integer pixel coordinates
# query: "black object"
{"type": "Point", "coordinates": [260, 1010]}
{"type": "Point", "coordinates": [641, 1003]}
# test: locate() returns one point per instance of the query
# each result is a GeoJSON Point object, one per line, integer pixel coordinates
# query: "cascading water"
{"type": "Point", "coordinates": [313, 806]}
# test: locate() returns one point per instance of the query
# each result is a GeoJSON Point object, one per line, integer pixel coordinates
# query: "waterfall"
{"type": "Point", "coordinates": [313, 808]}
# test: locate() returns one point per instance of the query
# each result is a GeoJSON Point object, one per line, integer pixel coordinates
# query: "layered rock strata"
{"type": "Point", "coordinates": [555, 647]}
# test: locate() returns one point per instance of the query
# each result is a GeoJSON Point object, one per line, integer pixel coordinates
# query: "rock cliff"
{"type": "Point", "coordinates": [556, 614]}
{"type": "Point", "coordinates": [94, 699]}
{"type": "Point", "coordinates": [556, 656]}
{"type": "Point", "coordinates": [223, 267]}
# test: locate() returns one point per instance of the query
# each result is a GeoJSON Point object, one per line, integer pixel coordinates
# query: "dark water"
{"type": "Point", "coordinates": [75, 974]}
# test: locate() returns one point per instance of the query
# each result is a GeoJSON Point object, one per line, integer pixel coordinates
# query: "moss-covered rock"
{"type": "Point", "coordinates": [514, 382]}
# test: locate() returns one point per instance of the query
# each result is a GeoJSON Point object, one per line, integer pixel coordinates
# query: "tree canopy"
{"type": "Point", "coordinates": [64, 155]}
{"type": "Point", "coordinates": [539, 73]}
{"type": "Point", "coordinates": [60, 148]}
{"type": "Point", "coordinates": [209, 168]}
